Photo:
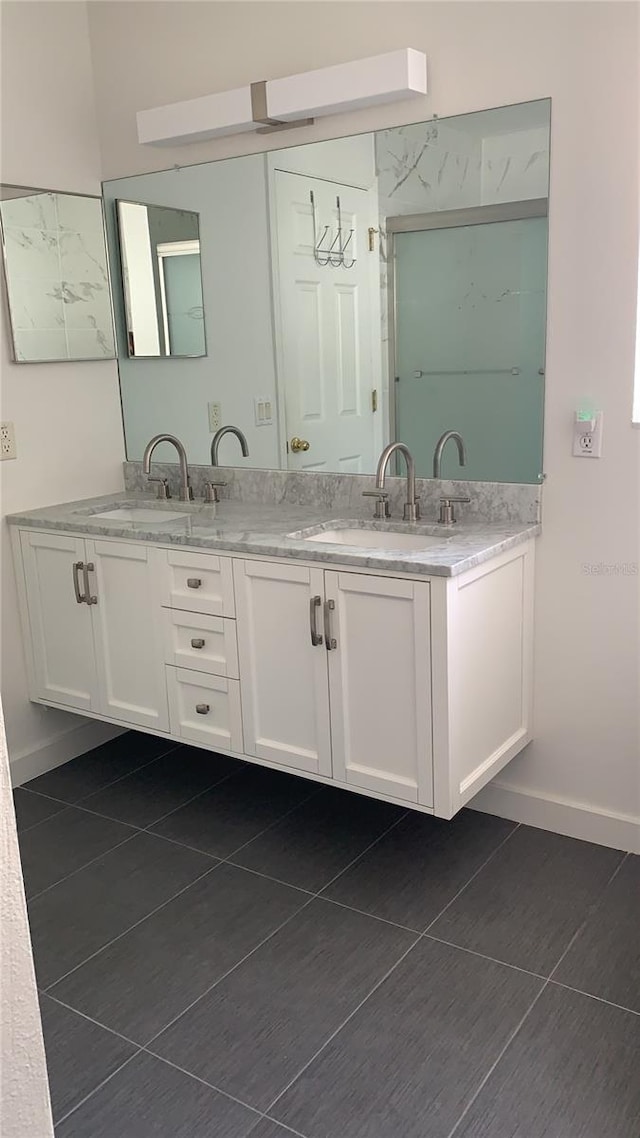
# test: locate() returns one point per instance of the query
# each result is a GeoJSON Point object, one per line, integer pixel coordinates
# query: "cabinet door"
{"type": "Point", "coordinates": [380, 684]}
{"type": "Point", "coordinates": [126, 621]}
{"type": "Point", "coordinates": [283, 676]}
{"type": "Point", "coordinates": [59, 623]}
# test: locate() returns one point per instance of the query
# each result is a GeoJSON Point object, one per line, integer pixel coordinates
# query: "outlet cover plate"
{"type": "Point", "coordinates": [7, 441]}
{"type": "Point", "coordinates": [587, 442]}
{"type": "Point", "coordinates": [215, 417]}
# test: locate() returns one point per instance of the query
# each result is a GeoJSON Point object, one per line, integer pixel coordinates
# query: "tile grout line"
{"type": "Point", "coordinates": [544, 987]}
{"type": "Point", "coordinates": [205, 1083]}
{"type": "Point", "coordinates": [255, 837]}
{"type": "Point", "coordinates": [224, 976]}
{"type": "Point", "coordinates": [140, 1049]}
{"type": "Point", "coordinates": [344, 1023]}
{"type": "Point", "coordinates": [97, 1088]}
{"type": "Point", "coordinates": [90, 1019]}
{"type": "Point", "coordinates": [129, 838]}
{"type": "Point", "coordinates": [591, 996]}
{"type": "Point", "coordinates": [194, 798]}
{"type": "Point", "coordinates": [217, 861]}
{"type": "Point", "coordinates": [493, 1066]}
{"type": "Point", "coordinates": [472, 878]}
{"type": "Point", "coordinates": [265, 940]}
{"type": "Point", "coordinates": [65, 976]}
{"type": "Point", "coordinates": [419, 938]}
{"type": "Point", "coordinates": [483, 956]}
{"type": "Point", "coordinates": [365, 913]}
{"type": "Point", "coordinates": [591, 913]}
{"type": "Point", "coordinates": [156, 821]}
{"type": "Point", "coordinates": [52, 797]}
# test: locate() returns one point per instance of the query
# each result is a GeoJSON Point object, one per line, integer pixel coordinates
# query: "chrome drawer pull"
{"type": "Point", "coordinates": [203, 708]}
{"type": "Point", "coordinates": [329, 640]}
{"type": "Point", "coordinates": [75, 569]}
{"type": "Point", "coordinates": [314, 605]}
{"type": "Point", "coordinates": [86, 570]}
{"type": "Point", "coordinates": [193, 582]}
{"type": "Point", "coordinates": [197, 642]}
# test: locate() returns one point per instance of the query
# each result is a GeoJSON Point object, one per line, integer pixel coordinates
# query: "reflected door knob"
{"type": "Point", "coordinates": [299, 444]}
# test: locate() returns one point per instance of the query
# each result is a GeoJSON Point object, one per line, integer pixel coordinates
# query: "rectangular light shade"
{"type": "Point", "coordinates": [211, 116]}
{"type": "Point", "coordinates": [330, 90]}
{"type": "Point", "coordinates": [348, 86]}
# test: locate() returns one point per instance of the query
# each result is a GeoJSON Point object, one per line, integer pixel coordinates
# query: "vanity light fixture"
{"type": "Point", "coordinates": [277, 104]}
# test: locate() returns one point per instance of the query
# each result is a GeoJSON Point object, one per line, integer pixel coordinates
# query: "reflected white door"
{"type": "Point", "coordinates": [328, 322]}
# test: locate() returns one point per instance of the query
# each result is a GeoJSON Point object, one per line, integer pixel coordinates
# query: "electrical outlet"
{"type": "Point", "coordinates": [587, 436]}
{"type": "Point", "coordinates": [7, 441]}
{"type": "Point", "coordinates": [215, 417]}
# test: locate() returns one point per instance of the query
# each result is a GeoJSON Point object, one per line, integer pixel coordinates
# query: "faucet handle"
{"type": "Point", "coordinates": [163, 492]}
{"type": "Point", "coordinates": [447, 512]}
{"type": "Point", "coordinates": [211, 491]}
{"type": "Point", "coordinates": [382, 510]}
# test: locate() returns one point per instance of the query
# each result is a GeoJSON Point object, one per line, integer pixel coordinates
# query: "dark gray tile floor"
{"type": "Point", "coordinates": [224, 951]}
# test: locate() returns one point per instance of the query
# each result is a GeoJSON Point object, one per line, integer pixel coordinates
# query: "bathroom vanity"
{"type": "Point", "coordinates": [390, 659]}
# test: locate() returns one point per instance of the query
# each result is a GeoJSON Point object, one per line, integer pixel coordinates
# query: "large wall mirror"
{"type": "Point", "coordinates": [56, 276]}
{"type": "Point", "coordinates": [379, 287]}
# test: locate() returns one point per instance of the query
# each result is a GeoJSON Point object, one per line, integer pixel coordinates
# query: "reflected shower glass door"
{"type": "Point", "coordinates": [470, 306]}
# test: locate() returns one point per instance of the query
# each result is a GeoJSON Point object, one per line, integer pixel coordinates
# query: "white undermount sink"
{"type": "Point", "coordinates": [139, 515]}
{"type": "Point", "coordinates": [376, 539]}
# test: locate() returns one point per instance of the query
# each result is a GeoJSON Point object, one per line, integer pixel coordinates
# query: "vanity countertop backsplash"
{"type": "Point", "coordinates": [270, 513]}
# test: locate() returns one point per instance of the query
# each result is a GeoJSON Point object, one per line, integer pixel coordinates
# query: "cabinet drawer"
{"type": "Point", "coordinates": [202, 643]}
{"type": "Point", "coordinates": [205, 709]}
{"type": "Point", "coordinates": [198, 582]}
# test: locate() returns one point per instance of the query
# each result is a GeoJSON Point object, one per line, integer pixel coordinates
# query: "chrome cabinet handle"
{"type": "Point", "coordinates": [193, 582]}
{"type": "Point", "coordinates": [330, 641]}
{"type": "Point", "coordinates": [203, 708]}
{"type": "Point", "coordinates": [314, 605]}
{"type": "Point", "coordinates": [197, 642]}
{"type": "Point", "coordinates": [86, 570]}
{"type": "Point", "coordinates": [75, 569]}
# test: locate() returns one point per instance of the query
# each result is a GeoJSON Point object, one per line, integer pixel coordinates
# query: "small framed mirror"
{"type": "Point", "coordinates": [162, 280]}
{"type": "Point", "coordinates": [57, 279]}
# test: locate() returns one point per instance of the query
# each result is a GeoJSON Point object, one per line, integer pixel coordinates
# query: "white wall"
{"type": "Point", "coordinates": [481, 55]}
{"type": "Point", "coordinates": [66, 415]}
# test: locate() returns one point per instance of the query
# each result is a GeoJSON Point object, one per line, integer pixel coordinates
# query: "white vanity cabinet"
{"type": "Point", "coordinates": [407, 687]}
{"type": "Point", "coordinates": [94, 642]}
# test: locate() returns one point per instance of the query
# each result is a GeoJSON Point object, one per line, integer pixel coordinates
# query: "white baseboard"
{"type": "Point", "coordinates": [562, 815]}
{"type": "Point", "coordinates": [52, 753]}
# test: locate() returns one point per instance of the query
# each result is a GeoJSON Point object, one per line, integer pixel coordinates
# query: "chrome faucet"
{"type": "Point", "coordinates": [440, 445]}
{"type": "Point", "coordinates": [218, 437]}
{"type": "Point", "coordinates": [186, 493]}
{"type": "Point", "coordinates": [447, 514]}
{"type": "Point", "coordinates": [211, 488]}
{"type": "Point", "coordinates": [411, 506]}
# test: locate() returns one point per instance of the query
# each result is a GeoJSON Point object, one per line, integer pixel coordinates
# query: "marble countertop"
{"type": "Point", "coordinates": [280, 531]}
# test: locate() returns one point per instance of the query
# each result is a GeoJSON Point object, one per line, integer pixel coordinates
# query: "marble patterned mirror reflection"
{"type": "Point", "coordinates": [161, 279]}
{"type": "Point", "coordinates": [382, 287]}
{"type": "Point", "coordinates": [56, 275]}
